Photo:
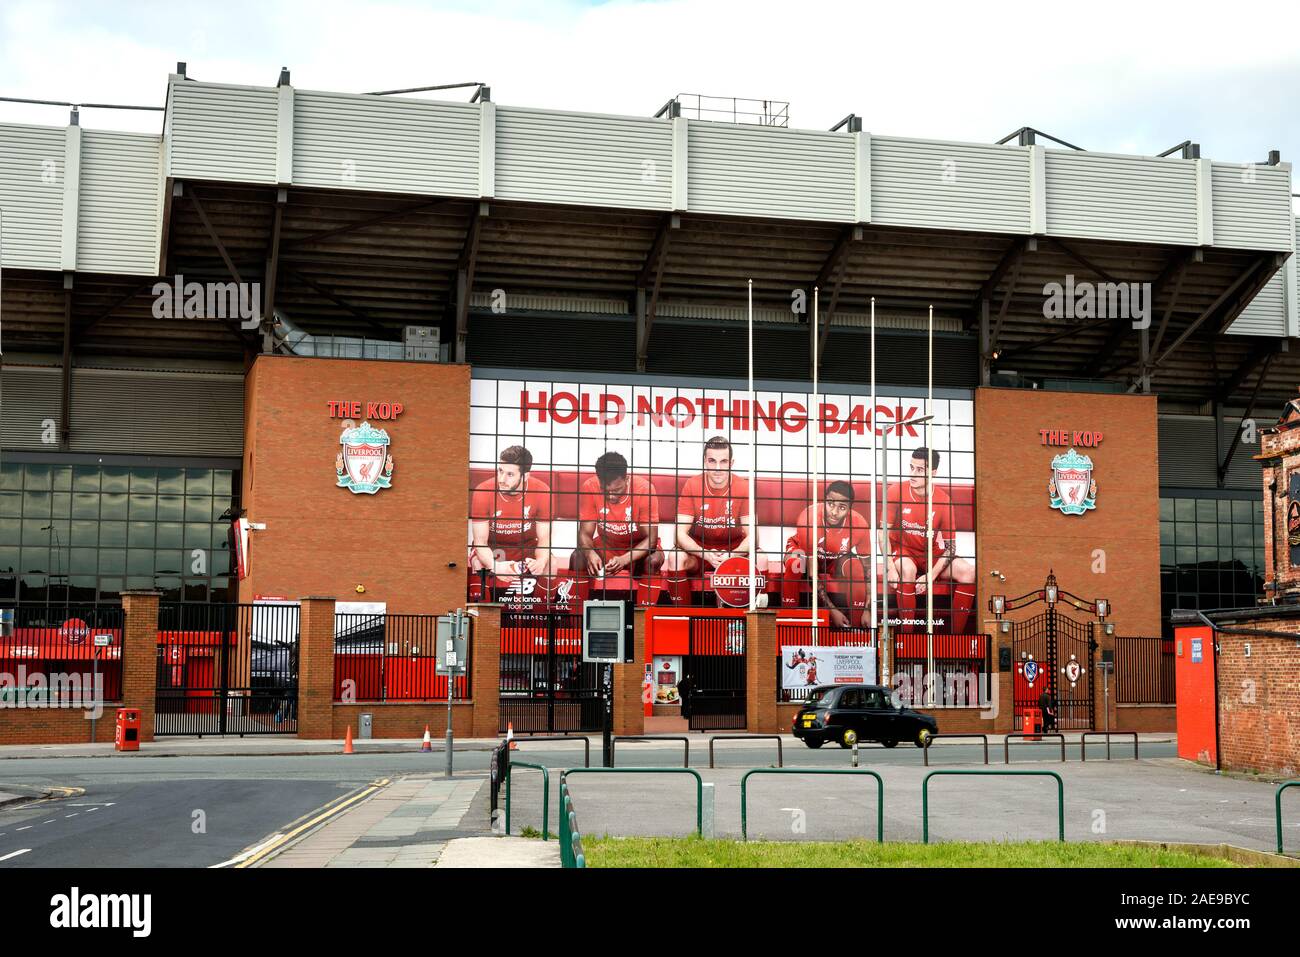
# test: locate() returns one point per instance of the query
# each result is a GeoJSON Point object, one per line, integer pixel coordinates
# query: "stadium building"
{"type": "Point", "coordinates": [411, 354]}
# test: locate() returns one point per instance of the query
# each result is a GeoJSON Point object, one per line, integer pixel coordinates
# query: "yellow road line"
{"type": "Point", "coordinates": [276, 843]}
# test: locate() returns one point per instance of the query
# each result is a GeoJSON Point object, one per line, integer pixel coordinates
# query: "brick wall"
{"type": "Point", "coordinates": [1259, 700]}
{"type": "Point", "coordinates": [629, 706]}
{"type": "Point", "coordinates": [762, 711]}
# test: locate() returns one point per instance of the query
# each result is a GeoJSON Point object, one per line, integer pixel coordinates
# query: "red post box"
{"type": "Point", "coordinates": [127, 736]}
{"type": "Point", "coordinates": [1033, 723]}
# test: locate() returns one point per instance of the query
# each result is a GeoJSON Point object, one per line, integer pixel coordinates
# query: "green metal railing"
{"type": "Point", "coordinates": [1277, 801]}
{"type": "Point", "coordinates": [744, 793]}
{"type": "Point", "coordinates": [546, 795]}
{"type": "Point", "coordinates": [699, 784]}
{"type": "Point", "coordinates": [925, 794]}
{"type": "Point", "coordinates": [571, 853]}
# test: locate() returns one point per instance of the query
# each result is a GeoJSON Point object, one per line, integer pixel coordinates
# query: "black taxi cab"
{"type": "Point", "coordinates": [847, 714]}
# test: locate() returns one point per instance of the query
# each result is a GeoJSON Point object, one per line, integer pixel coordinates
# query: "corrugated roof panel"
{"type": "Point", "coordinates": [1135, 198]}
{"type": "Point", "coordinates": [220, 132]}
{"type": "Point", "coordinates": [1252, 206]}
{"type": "Point", "coordinates": [119, 223]}
{"type": "Point", "coordinates": [31, 195]}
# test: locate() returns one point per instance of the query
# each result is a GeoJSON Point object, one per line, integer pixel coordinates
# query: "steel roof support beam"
{"type": "Point", "coordinates": [272, 271]}
{"type": "Point", "coordinates": [1250, 408]}
{"type": "Point", "coordinates": [1120, 326]}
{"type": "Point", "coordinates": [648, 283]}
{"type": "Point", "coordinates": [1010, 255]}
{"type": "Point", "coordinates": [1006, 301]}
{"type": "Point", "coordinates": [1260, 352]}
{"type": "Point", "coordinates": [146, 285]}
{"type": "Point", "coordinates": [225, 257]}
{"type": "Point", "coordinates": [465, 267]}
{"type": "Point", "coordinates": [363, 224]}
{"type": "Point", "coordinates": [334, 298]}
{"type": "Point", "coordinates": [65, 414]}
{"type": "Point", "coordinates": [1252, 270]}
{"type": "Point", "coordinates": [832, 271]}
{"type": "Point", "coordinates": [1048, 340]}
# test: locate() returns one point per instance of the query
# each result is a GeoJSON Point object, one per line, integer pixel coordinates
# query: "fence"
{"type": "Point", "coordinates": [1144, 670]}
{"type": "Point", "coordinates": [382, 657]}
{"type": "Point", "coordinates": [800, 636]}
{"type": "Point", "coordinates": [963, 665]}
{"type": "Point", "coordinates": [57, 650]}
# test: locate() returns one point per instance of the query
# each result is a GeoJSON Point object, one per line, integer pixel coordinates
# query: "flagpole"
{"type": "Point", "coordinates": [929, 518]}
{"type": "Point", "coordinates": [875, 477]}
{"type": "Point", "coordinates": [753, 522]}
{"type": "Point", "coordinates": [812, 545]}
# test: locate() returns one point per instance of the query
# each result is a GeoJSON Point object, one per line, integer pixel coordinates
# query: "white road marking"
{"type": "Point", "coordinates": [94, 804]}
{"type": "Point", "coordinates": [244, 855]}
{"type": "Point", "coordinates": [50, 821]}
{"type": "Point", "coordinates": [15, 854]}
{"type": "Point", "coordinates": [73, 814]}
{"type": "Point", "coordinates": [25, 827]}
{"type": "Point", "coordinates": [92, 810]}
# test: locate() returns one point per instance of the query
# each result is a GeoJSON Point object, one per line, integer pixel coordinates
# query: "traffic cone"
{"type": "Point", "coordinates": [427, 745]}
{"type": "Point", "coordinates": [347, 741]}
{"type": "Point", "coordinates": [510, 734]}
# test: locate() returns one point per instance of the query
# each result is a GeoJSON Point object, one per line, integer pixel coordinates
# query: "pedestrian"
{"type": "Point", "coordinates": [1047, 705]}
{"type": "Point", "coordinates": [684, 689]}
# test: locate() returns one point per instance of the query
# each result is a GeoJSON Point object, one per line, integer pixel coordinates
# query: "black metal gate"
{"type": "Point", "coordinates": [227, 669]}
{"type": "Point", "coordinates": [715, 667]}
{"type": "Point", "coordinates": [546, 688]}
{"type": "Point", "coordinates": [1054, 654]}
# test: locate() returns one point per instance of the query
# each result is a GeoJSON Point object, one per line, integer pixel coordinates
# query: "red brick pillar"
{"type": "Point", "coordinates": [629, 705]}
{"type": "Point", "coordinates": [139, 661]}
{"type": "Point", "coordinates": [485, 670]}
{"type": "Point", "coordinates": [760, 672]}
{"type": "Point", "coordinates": [1004, 721]}
{"type": "Point", "coordinates": [316, 668]}
{"type": "Point", "coordinates": [1105, 643]}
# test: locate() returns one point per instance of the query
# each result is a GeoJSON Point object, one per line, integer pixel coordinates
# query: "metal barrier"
{"type": "Point", "coordinates": [932, 738]}
{"type": "Point", "coordinates": [571, 853]}
{"type": "Point", "coordinates": [546, 794]}
{"type": "Point", "coordinates": [545, 739]}
{"type": "Point", "coordinates": [1277, 800]}
{"type": "Point", "coordinates": [880, 793]}
{"type": "Point", "coordinates": [1083, 742]}
{"type": "Point", "coordinates": [699, 784]}
{"type": "Point", "coordinates": [780, 757]}
{"type": "Point", "coordinates": [925, 795]}
{"type": "Point", "coordinates": [661, 737]}
{"type": "Point", "coordinates": [1006, 742]}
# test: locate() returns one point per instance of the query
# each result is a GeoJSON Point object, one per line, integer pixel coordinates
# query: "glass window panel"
{"type": "Point", "coordinates": [36, 532]}
{"type": "Point", "coordinates": [61, 505]}
{"type": "Point", "coordinates": [1207, 553]}
{"type": "Point", "coordinates": [169, 534]}
{"type": "Point", "coordinates": [1185, 534]}
{"type": "Point", "coordinates": [11, 531]}
{"type": "Point", "coordinates": [1206, 510]}
{"type": "Point", "coordinates": [85, 533]}
{"type": "Point", "coordinates": [85, 478]}
{"type": "Point", "coordinates": [1242, 512]}
{"type": "Point", "coordinates": [196, 589]}
{"type": "Point", "coordinates": [170, 588]}
{"type": "Point", "coordinates": [1185, 509]}
{"type": "Point", "coordinates": [198, 481]}
{"type": "Point", "coordinates": [1207, 533]}
{"type": "Point", "coordinates": [171, 481]}
{"type": "Point", "coordinates": [9, 559]}
{"type": "Point", "coordinates": [1224, 510]}
{"type": "Point", "coordinates": [81, 588]}
{"type": "Point", "coordinates": [1185, 555]}
{"type": "Point", "coordinates": [38, 478]}
{"type": "Point", "coordinates": [34, 561]}
{"type": "Point", "coordinates": [62, 478]}
{"type": "Point", "coordinates": [84, 561]}
{"type": "Point", "coordinates": [144, 480]}
{"type": "Point", "coordinates": [1243, 535]}
{"type": "Point", "coordinates": [85, 505]}
{"type": "Point", "coordinates": [1166, 555]}
{"type": "Point", "coordinates": [112, 533]}
{"type": "Point", "coordinates": [171, 508]}
{"type": "Point", "coordinates": [138, 582]}
{"type": "Point", "coordinates": [113, 506]}
{"type": "Point", "coordinates": [222, 590]}
{"type": "Point", "coordinates": [11, 504]}
{"type": "Point", "coordinates": [198, 509]}
{"type": "Point", "coordinates": [1258, 507]}
{"type": "Point", "coordinates": [198, 535]}
{"type": "Point", "coordinates": [1166, 510]}
{"type": "Point", "coordinates": [143, 508]}
{"type": "Point", "coordinates": [11, 476]}
{"type": "Point", "coordinates": [139, 561]}
{"type": "Point", "coordinates": [221, 510]}
{"type": "Point", "coordinates": [1248, 558]}
{"type": "Point", "coordinates": [112, 561]}
{"type": "Point", "coordinates": [140, 534]}
{"type": "Point", "coordinates": [115, 478]}
{"type": "Point", "coordinates": [1166, 533]}
{"type": "Point", "coordinates": [223, 483]}
{"type": "Point", "coordinates": [110, 589]}
{"type": "Point", "coordinates": [169, 561]}
{"type": "Point", "coordinates": [36, 504]}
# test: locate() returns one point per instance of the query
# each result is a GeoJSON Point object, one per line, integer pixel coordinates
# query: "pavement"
{"type": "Point", "coordinates": [418, 821]}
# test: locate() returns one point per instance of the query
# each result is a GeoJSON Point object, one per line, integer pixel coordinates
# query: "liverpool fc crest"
{"type": "Point", "coordinates": [1071, 488]}
{"type": "Point", "coordinates": [364, 465]}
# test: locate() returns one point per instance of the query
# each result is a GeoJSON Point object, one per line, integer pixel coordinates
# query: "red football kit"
{"type": "Point", "coordinates": [512, 519]}
{"type": "Point", "coordinates": [621, 524]}
{"type": "Point", "coordinates": [719, 516]}
{"type": "Point", "coordinates": [853, 537]}
{"type": "Point", "coordinates": [907, 522]}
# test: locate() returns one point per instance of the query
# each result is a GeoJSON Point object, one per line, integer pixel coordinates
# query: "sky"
{"type": "Point", "coordinates": [1130, 77]}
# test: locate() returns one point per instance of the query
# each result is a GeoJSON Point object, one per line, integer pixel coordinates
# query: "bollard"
{"type": "Point", "coordinates": [708, 811]}
{"type": "Point", "coordinates": [855, 754]}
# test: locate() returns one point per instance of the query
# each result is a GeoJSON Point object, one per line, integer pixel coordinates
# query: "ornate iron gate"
{"type": "Point", "coordinates": [1053, 653]}
{"type": "Point", "coordinates": [715, 666]}
{"type": "Point", "coordinates": [545, 686]}
{"type": "Point", "coordinates": [227, 669]}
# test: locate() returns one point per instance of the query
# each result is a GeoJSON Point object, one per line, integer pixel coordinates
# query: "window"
{"type": "Point", "coordinates": [1212, 552]}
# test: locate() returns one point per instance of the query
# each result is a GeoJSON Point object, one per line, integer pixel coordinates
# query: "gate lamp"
{"type": "Point", "coordinates": [1050, 592]}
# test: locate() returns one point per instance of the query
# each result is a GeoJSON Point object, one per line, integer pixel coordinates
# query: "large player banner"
{"type": "Point", "coordinates": [585, 488]}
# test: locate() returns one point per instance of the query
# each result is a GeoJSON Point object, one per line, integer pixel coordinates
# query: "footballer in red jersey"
{"type": "Point", "coordinates": [843, 538]}
{"type": "Point", "coordinates": [618, 522]}
{"type": "Point", "coordinates": [908, 569]}
{"type": "Point", "coordinates": [713, 520]}
{"type": "Point", "coordinates": [511, 517]}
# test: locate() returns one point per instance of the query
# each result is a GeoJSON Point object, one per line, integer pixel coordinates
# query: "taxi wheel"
{"type": "Point", "coordinates": [922, 737]}
{"type": "Point", "coordinates": [849, 738]}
